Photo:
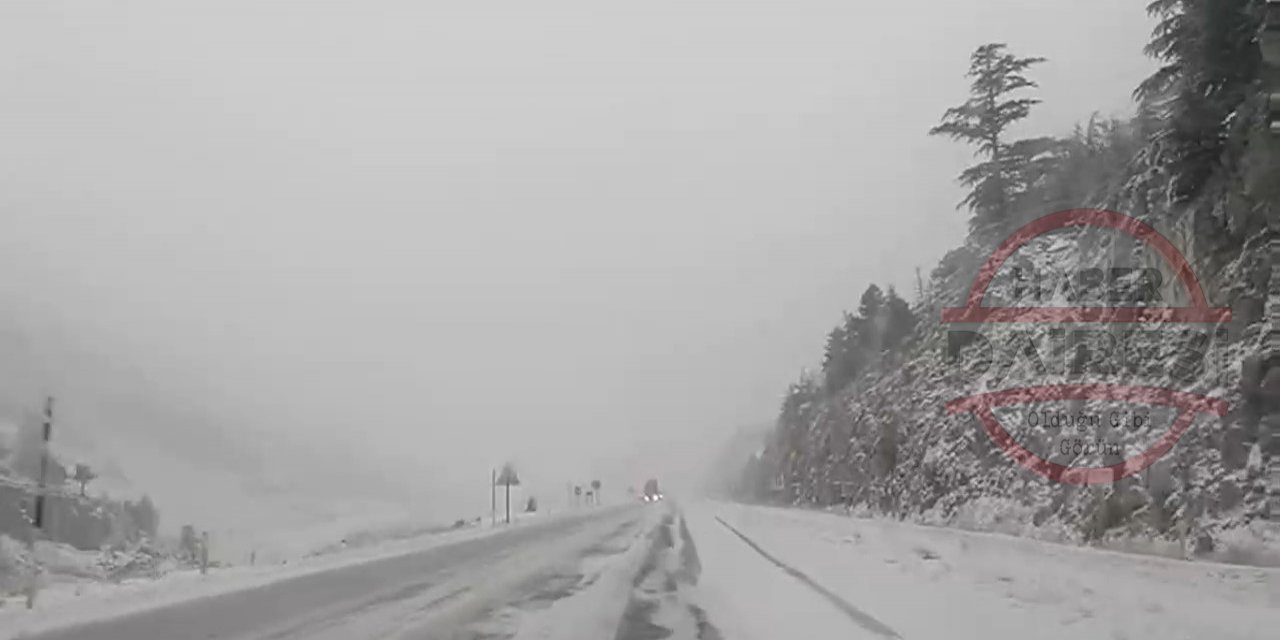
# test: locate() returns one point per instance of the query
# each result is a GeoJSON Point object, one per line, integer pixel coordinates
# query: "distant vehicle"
{"type": "Point", "coordinates": [651, 492]}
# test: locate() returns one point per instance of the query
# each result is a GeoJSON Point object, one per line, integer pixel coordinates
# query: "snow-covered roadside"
{"type": "Point", "coordinates": [932, 582]}
{"type": "Point", "coordinates": [74, 603]}
{"type": "Point", "coordinates": [67, 568]}
{"type": "Point", "coordinates": [338, 533]}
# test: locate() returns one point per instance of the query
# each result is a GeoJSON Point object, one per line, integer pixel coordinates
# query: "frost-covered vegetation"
{"type": "Point", "coordinates": [869, 431]}
{"type": "Point", "coordinates": [86, 534]}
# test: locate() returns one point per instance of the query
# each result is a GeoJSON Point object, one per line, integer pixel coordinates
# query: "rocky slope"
{"type": "Point", "coordinates": [887, 444]}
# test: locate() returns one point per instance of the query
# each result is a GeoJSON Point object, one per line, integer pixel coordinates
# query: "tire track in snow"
{"type": "Point", "coordinates": [862, 618]}
{"type": "Point", "coordinates": [660, 606]}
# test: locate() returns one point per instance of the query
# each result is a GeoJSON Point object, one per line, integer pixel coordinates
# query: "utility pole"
{"type": "Point", "coordinates": [38, 516]}
{"type": "Point", "coordinates": [493, 498]}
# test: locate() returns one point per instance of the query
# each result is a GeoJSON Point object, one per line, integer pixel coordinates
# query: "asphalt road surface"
{"type": "Point", "coordinates": [434, 593]}
{"type": "Point", "coordinates": [721, 571]}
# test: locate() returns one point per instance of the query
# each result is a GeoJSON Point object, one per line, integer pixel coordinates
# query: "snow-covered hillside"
{"type": "Point", "coordinates": [887, 443]}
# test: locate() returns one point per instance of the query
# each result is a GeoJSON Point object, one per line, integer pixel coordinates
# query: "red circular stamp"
{"type": "Point", "coordinates": [1091, 339]}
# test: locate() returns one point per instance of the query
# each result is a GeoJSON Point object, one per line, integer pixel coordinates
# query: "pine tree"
{"type": "Point", "coordinates": [871, 315]}
{"type": "Point", "coordinates": [858, 341]}
{"type": "Point", "coordinates": [841, 362]}
{"type": "Point", "coordinates": [998, 181]}
{"type": "Point", "coordinates": [871, 302]}
{"type": "Point", "coordinates": [799, 409]}
{"type": "Point", "coordinates": [1089, 167]}
{"type": "Point", "coordinates": [899, 320]}
{"type": "Point", "coordinates": [1210, 61]}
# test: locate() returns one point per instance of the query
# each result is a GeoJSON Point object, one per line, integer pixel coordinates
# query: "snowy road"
{"type": "Point", "coordinates": [714, 571]}
{"type": "Point", "coordinates": [923, 582]}
{"type": "Point", "coordinates": [750, 593]}
{"type": "Point", "coordinates": [442, 592]}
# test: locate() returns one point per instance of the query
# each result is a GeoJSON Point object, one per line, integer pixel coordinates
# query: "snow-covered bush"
{"type": "Point", "coordinates": [13, 564]}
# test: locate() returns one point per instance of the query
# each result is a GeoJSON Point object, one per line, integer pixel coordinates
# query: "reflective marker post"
{"type": "Point", "coordinates": [204, 553]}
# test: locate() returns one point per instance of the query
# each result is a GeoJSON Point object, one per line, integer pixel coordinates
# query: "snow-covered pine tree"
{"type": "Point", "coordinates": [1210, 60]}
{"type": "Point", "coordinates": [1006, 167]}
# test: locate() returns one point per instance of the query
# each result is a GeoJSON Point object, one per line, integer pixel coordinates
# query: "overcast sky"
{"type": "Point", "coordinates": [302, 245]}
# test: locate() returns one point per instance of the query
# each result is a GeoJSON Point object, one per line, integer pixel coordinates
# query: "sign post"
{"type": "Point", "coordinates": [508, 478]}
